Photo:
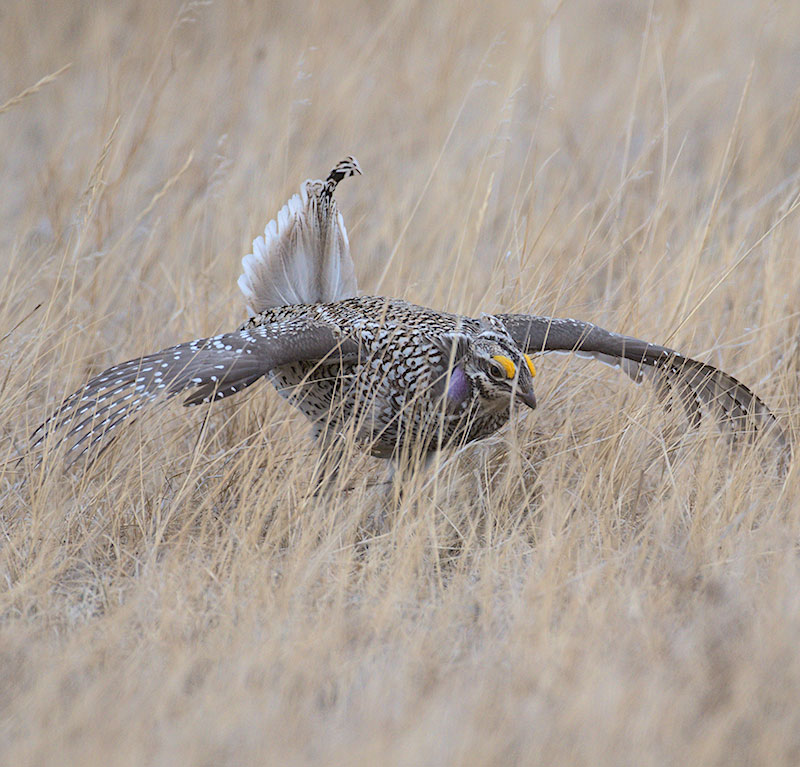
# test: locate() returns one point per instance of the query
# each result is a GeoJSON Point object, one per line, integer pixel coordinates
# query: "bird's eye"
{"type": "Point", "coordinates": [497, 372]}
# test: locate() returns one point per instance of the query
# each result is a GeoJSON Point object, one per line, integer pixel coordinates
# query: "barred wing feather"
{"type": "Point", "coordinates": [694, 382]}
{"type": "Point", "coordinates": [208, 368]}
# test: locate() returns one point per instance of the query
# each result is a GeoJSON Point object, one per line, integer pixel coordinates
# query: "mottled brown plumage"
{"type": "Point", "coordinates": [402, 388]}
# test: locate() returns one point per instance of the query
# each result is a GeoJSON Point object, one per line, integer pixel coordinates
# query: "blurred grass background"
{"type": "Point", "coordinates": [592, 586]}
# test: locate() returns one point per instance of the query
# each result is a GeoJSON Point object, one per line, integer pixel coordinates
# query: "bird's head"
{"type": "Point", "coordinates": [487, 365]}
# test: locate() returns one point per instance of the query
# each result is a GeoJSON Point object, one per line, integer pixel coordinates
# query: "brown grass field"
{"type": "Point", "coordinates": [595, 585]}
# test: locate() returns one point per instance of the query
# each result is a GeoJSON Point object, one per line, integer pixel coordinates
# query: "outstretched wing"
{"type": "Point", "coordinates": [303, 256]}
{"type": "Point", "coordinates": [694, 382]}
{"type": "Point", "coordinates": [210, 368]}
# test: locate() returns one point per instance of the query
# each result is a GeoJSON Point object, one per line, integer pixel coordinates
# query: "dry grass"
{"type": "Point", "coordinates": [593, 586]}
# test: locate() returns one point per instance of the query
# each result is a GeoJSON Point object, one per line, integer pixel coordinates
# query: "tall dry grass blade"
{"type": "Point", "coordinates": [35, 88]}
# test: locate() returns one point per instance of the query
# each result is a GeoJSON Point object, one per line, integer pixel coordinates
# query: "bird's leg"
{"type": "Point", "coordinates": [398, 476]}
{"type": "Point", "coordinates": [325, 473]}
{"type": "Point", "coordinates": [403, 469]}
{"type": "Point", "coordinates": [378, 519]}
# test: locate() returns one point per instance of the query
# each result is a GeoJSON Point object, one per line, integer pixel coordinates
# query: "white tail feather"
{"type": "Point", "coordinates": [304, 257]}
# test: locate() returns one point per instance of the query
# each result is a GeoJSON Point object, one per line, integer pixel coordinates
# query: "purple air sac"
{"type": "Point", "coordinates": [458, 389]}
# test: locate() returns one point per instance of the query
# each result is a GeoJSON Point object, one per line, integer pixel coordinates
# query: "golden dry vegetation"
{"type": "Point", "coordinates": [594, 585]}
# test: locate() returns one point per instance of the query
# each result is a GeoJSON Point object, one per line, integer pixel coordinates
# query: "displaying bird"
{"type": "Point", "coordinates": [398, 377]}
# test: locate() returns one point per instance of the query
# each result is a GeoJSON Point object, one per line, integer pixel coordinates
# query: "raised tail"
{"type": "Point", "coordinates": [303, 256]}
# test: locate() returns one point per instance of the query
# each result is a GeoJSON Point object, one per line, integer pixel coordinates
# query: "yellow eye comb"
{"type": "Point", "coordinates": [507, 364]}
{"type": "Point", "coordinates": [529, 362]}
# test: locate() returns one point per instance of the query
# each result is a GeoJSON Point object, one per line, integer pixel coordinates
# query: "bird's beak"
{"type": "Point", "coordinates": [527, 397]}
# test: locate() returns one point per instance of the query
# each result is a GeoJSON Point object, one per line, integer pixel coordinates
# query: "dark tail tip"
{"type": "Point", "coordinates": [343, 169]}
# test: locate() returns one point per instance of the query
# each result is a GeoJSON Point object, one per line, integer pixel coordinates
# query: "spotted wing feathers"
{"type": "Point", "coordinates": [303, 256]}
{"type": "Point", "coordinates": [208, 368]}
{"type": "Point", "coordinates": [695, 383]}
